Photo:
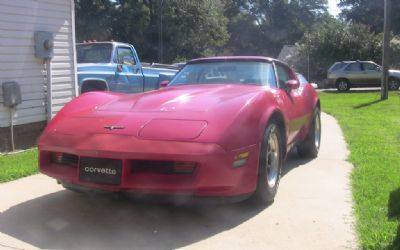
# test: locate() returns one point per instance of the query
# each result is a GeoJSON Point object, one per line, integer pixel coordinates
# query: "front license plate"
{"type": "Point", "coordinates": [100, 171]}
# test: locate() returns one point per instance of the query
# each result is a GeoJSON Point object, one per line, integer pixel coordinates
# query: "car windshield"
{"type": "Point", "coordinates": [94, 53]}
{"type": "Point", "coordinates": [252, 73]}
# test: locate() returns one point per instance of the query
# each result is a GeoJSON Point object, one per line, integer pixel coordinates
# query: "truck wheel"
{"type": "Point", "coordinates": [393, 83]}
{"type": "Point", "coordinates": [342, 85]}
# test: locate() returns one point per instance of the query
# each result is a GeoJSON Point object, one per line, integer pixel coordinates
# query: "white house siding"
{"type": "Point", "coordinates": [18, 21]}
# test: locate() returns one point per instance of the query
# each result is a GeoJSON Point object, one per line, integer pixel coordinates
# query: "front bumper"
{"type": "Point", "coordinates": [214, 174]}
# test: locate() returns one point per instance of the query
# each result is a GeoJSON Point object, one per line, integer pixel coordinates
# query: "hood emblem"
{"type": "Point", "coordinates": [112, 127]}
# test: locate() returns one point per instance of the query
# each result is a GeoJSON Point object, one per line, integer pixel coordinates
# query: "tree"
{"type": "Point", "coordinates": [370, 13]}
{"type": "Point", "coordinates": [264, 26]}
{"type": "Point", "coordinates": [135, 23]}
{"type": "Point", "coordinates": [188, 28]}
{"type": "Point", "coordinates": [332, 40]}
{"type": "Point", "coordinates": [193, 28]}
{"type": "Point", "coordinates": [94, 20]}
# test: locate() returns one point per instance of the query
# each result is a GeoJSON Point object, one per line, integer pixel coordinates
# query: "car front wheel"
{"type": "Point", "coordinates": [270, 165]}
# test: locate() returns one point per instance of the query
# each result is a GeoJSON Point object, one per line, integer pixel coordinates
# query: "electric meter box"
{"type": "Point", "coordinates": [44, 43]}
{"type": "Point", "coordinates": [11, 94]}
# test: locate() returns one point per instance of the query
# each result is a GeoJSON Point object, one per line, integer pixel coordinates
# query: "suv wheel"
{"type": "Point", "coordinates": [342, 85]}
{"type": "Point", "coordinates": [393, 84]}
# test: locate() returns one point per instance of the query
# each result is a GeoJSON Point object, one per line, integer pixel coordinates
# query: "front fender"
{"type": "Point", "coordinates": [248, 124]}
{"type": "Point", "coordinates": [82, 104]}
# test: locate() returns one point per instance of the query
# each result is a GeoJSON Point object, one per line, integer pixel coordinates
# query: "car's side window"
{"type": "Point", "coordinates": [125, 56]}
{"type": "Point", "coordinates": [337, 66]}
{"type": "Point", "coordinates": [353, 67]}
{"type": "Point", "coordinates": [370, 66]}
{"type": "Point", "coordinates": [283, 75]}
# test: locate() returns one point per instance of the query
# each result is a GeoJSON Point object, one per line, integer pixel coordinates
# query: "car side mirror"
{"type": "Point", "coordinates": [164, 83]}
{"type": "Point", "coordinates": [292, 84]}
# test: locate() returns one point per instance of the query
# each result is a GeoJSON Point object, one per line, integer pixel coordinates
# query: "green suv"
{"type": "Point", "coordinates": [348, 74]}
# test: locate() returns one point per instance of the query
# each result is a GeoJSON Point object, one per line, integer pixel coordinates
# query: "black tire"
{"type": "Point", "coordinates": [343, 85]}
{"type": "Point", "coordinates": [309, 148]}
{"type": "Point", "coordinates": [270, 165]}
{"type": "Point", "coordinates": [393, 83]}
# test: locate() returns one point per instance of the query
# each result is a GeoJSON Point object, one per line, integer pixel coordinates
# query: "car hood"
{"type": "Point", "coordinates": [201, 98]}
{"type": "Point", "coordinates": [179, 113]}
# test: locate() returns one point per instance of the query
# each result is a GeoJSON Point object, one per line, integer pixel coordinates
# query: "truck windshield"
{"type": "Point", "coordinates": [253, 73]}
{"type": "Point", "coordinates": [94, 53]}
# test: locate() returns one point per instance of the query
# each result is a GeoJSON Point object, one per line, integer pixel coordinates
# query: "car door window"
{"type": "Point", "coordinates": [353, 67]}
{"type": "Point", "coordinates": [370, 66]}
{"type": "Point", "coordinates": [125, 56]}
{"type": "Point", "coordinates": [283, 75]}
{"type": "Point", "coordinates": [336, 66]}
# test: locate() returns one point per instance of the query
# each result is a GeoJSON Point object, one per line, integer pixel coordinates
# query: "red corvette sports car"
{"type": "Point", "coordinates": [221, 128]}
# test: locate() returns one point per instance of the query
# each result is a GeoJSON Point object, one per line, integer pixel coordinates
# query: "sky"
{"type": "Point", "coordinates": [332, 8]}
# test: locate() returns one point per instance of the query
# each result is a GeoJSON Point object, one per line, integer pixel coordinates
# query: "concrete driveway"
{"type": "Point", "coordinates": [312, 210]}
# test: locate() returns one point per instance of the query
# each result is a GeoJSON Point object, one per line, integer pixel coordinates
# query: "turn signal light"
{"type": "Point", "coordinates": [240, 159]}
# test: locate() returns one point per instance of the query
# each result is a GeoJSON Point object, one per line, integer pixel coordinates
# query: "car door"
{"type": "Point", "coordinates": [372, 73]}
{"type": "Point", "coordinates": [354, 73]}
{"type": "Point", "coordinates": [128, 74]}
{"type": "Point", "coordinates": [291, 102]}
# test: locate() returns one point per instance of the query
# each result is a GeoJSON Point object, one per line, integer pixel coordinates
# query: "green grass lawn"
{"type": "Point", "coordinates": [14, 166]}
{"type": "Point", "coordinates": [372, 132]}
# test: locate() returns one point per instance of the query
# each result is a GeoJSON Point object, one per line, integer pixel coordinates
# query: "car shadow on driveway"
{"type": "Point", "coordinates": [68, 220]}
{"type": "Point", "coordinates": [293, 161]}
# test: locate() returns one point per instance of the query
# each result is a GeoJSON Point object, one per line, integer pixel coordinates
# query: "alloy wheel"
{"type": "Point", "coordinates": [272, 159]}
{"type": "Point", "coordinates": [342, 85]}
{"type": "Point", "coordinates": [317, 130]}
{"type": "Point", "coordinates": [393, 84]}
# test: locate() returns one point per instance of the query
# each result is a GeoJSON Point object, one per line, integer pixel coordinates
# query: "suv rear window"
{"type": "Point", "coordinates": [337, 66]}
{"type": "Point", "coordinates": [353, 67]}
